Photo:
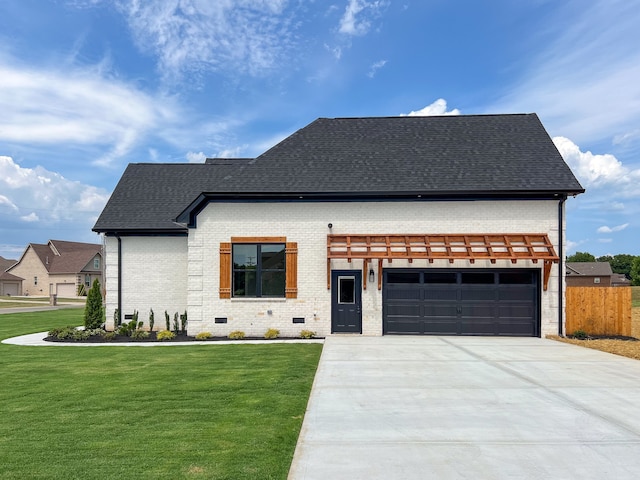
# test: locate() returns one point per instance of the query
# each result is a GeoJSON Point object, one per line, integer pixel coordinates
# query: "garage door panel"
{"type": "Point", "coordinates": [462, 302]}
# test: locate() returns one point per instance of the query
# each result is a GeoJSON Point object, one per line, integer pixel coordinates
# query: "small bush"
{"type": "Point", "coordinates": [163, 335]}
{"type": "Point", "coordinates": [80, 335]}
{"type": "Point", "coordinates": [580, 335]}
{"type": "Point", "coordinates": [307, 334]}
{"type": "Point", "coordinates": [167, 323]}
{"type": "Point", "coordinates": [109, 336]}
{"type": "Point", "coordinates": [96, 332]}
{"type": "Point", "coordinates": [64, 333]}
{"type": "Point", "coordinates": [272, 333]}
{"type": "Point", "coordinates": [152, 320]}
{"type": "Point", "coordinates": [236, 335]}
{"type": "Point", "coordinates": [203, 336]}
{"type": "Point", "coordinates": [139, 335]}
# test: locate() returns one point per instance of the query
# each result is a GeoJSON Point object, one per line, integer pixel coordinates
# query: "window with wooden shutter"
{"type": "Point", "coordinates": [255, 267]}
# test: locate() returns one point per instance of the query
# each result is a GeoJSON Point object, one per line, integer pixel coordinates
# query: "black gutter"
{"type": "Point", "coordinates": [119, 280]}
{"type": "Point", "coordinates": [560, 264]}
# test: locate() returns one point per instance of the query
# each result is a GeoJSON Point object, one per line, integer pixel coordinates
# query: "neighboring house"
{"type": "Point", "coordinates": [620, 280]}
{"type": "Point", "coordinates": [66, 269]}
{"type": "Point", "coordinates": [589, 274]}
{"type": "Point", "coordinates": [9, 284]}
{"type": "Point", "coordinates": [397, 225]}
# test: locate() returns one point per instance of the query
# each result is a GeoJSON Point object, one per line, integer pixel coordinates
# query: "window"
{"type": "Point", "coordinates": [35, 280]}
{"type": "Point", "coordinates": [255, 267]}
{"type": "Point", "coordinates": [96, 263]}
{"type": "Point", "coordinates": [259, 270]}
{"type": "Point", "coordinates": [87, 280]}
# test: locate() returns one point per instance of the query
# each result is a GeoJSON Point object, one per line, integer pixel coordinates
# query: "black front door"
{"type": "Point", "coordinates": [346, 301]}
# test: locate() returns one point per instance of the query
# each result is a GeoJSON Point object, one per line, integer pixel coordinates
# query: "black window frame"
{"type": "Point", "coordinates": [259, 269]}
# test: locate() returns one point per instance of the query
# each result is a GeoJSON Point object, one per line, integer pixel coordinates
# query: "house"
{"type": "Point", "coordinates": [620, 280]}
{"type": "Point", "coordinates": [62, 268]}
{"type": "Point", "coordinates": [374, 226]}
{"type": "Point", "coordinates": [9, 284]}
{"type": "Point", "coordinates": [589, 274]}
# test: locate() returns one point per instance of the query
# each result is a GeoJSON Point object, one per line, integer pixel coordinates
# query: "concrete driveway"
{"type": "Point", "coordinates": [469, 408]}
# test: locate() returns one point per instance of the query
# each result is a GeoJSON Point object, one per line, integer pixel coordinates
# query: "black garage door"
{"type": "Point", "coordinates": [461, 302]}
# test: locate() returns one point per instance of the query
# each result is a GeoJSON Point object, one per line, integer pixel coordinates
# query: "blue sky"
{"type": "Point", "coordinates": [88, 86]}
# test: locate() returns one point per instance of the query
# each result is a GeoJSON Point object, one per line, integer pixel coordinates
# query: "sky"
{"type": "Point", "coordinates": [88, 86]}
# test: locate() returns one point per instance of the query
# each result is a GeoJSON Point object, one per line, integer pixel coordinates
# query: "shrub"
{"type": "Point", "coordinates": [80, 334]}
{"type": "Point", "coordinates": [580, 335]}
{"type": "Point", "coordinates": [183, 321]}
{"type": "Point", "coordinates": [236, 335]}
{"type": "Point", "coordinates": [307, 334]}
{"type": "Point", "coordinates": [139, 335]}
{"type": "Point", "coordinates": [96, 332]}
{"type": "Point", "coordinates": [151, 320]}
{"type": "Point", "coordinates": [203, 336]}
{"type": "Point", "coordinates": [163, 335]}
{"type": "Point", "coordinates": [110, 336]}
{"type": "Point", "coordinates": [117, 321]}
{"type": "Point", "coordinates": [175, 323]}
{"type": "Point", "coordinates": [272, 333]}
{"type": "Point", "coordinates": [167, 321]}
{"type": "Point", "coordinates": [63, 333]}
{"type": "Point", "coordinates": [93, 311]}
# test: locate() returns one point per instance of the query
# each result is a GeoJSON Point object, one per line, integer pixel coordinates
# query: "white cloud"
{"type": "Point", "coordinates": [358, 15]}
{"type": "Point", "coordinates": [193, 157]}
{"type": "Point", "coordinates": [617, 228]}
{"type": "Point", "coordinates": [598, 170]}
{"type": "Point", "coordinates": [247, 36]}
{"type": "Point", "coordinates": [375, 67]}
{"type": "Point", "coordinates": [32, 217]}
{"type": "Point", "coordinates": [38, 195]}
{"type": "Point", "coordinates": [439, 107]}
{"type": "Point", "coordinates": [76, 107]}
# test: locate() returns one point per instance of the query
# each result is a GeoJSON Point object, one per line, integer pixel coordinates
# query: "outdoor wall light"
{"type": "Point", "coordinates": [372, 275]}
{"type": "Point", "coordinates": [330, 226]}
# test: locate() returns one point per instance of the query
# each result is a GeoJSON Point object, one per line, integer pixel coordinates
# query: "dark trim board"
{"type": "Point", "coordinates": [467, 301]}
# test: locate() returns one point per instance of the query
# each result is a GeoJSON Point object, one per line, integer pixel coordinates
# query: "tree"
{"type": "Point", "coordinates": [622, 264]}
{"type": "Point", "coordinates": [93, 311]}
{"type": "Point", "coordinates": [635, 271]}
{"type": "Point", "coordinates": [581, 257]}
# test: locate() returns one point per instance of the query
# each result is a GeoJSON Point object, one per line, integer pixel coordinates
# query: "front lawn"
{"type": "Point", "coordinates": [202, 411]}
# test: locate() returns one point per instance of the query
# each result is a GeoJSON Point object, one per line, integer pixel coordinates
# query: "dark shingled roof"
{"type": "Point", "coordinates": [453, 156]}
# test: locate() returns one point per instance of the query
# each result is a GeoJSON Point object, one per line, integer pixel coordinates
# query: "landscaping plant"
{"type": "Point", "coordinates": [93, 311]}
{"type": "Point", "coordinates": [175, 323]}
{"type": "Point", "coordinates": [151, 320]}
{"type": "Point", "coordinates": [272, 333]}
{"type": "Point", "coordinates": [167, 321]}
{"type": "Point", "coordinates": [183, 321]}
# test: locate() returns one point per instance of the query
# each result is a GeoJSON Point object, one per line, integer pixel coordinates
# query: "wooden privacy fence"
{"type": "Point", "coordinates": [599, 310]}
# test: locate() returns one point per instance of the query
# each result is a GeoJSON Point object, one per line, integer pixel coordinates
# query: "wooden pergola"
{"type": "Point", "coordinates": [514, 247]}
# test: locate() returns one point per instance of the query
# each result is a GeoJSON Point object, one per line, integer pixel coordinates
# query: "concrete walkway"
{"type": "Point", "coordinates": [469, 408]}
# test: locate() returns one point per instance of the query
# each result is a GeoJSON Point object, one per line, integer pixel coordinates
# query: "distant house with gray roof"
{"type": "Point", "coordinates": [59, 267]}
{"type": "Point", "coordinates": [589, 274]}
{"type": "Point", "coordinates": [9, 284]}
{"type": "Point", "coordinates": [375, 226]}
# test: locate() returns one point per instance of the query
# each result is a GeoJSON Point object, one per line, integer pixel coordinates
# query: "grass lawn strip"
{"type": "Point", "coordinates": [227, 412]}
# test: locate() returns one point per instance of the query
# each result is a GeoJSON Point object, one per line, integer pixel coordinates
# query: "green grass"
{"type": "Point", "coordinates": [202, 411]}
{"type": "Point", "coordinates": [635, 296]}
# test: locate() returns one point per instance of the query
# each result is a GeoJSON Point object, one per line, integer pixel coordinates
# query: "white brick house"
{"type": "Point", "coordinates": [401, 225]}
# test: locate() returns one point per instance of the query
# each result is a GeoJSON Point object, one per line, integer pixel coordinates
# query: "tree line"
{"type": "Point", "coordinates": [629, 265]}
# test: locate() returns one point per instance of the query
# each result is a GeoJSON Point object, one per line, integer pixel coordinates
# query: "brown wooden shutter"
{"type": "Point", "coordinates": [225, 270]}
{"type": "Point", "coordinates": [291, 287]}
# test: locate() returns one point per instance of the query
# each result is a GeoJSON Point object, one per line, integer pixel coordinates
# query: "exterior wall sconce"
{"type": "Point", "coordinates": [372, 275]}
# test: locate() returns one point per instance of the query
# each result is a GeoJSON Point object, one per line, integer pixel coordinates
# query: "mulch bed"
{"type": "Point", "coordinates": [152, 338]}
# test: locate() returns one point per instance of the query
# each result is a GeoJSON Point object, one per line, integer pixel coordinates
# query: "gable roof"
{"type": "Point", "coordinates": [5, 263]}
{"type": "Point", "coordinates": [377, 157]}
{"type": "Point", "coordinates": [60, 256]}
{"type": "Point", "coordinates": [589, 269]}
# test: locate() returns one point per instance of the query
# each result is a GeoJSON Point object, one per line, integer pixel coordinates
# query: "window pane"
{"type": "Point", "coordinates": [346, 290]}
{"type": "Point", "coordinates": [478, 277]}
{"type": "Point", "coordinates": [446, 277]}
{"type": "Point", "coordinates": [409, 277]}
{"type": "Point", "coordinates": [516, 278]}
{"type": "Point", "coordinates": [272, 257]}
{"type": "Point", "coordinates": [245, 256]}
{"type": "Point", "coordinates": [244, 284]}
{"type": "Point", "coordinates": [273, 284]}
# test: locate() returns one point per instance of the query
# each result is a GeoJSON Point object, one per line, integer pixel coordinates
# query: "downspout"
{"type": "Point", "coordinates": [119, 279]}
{"type": "Point", "coordinates": [560, 263]}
